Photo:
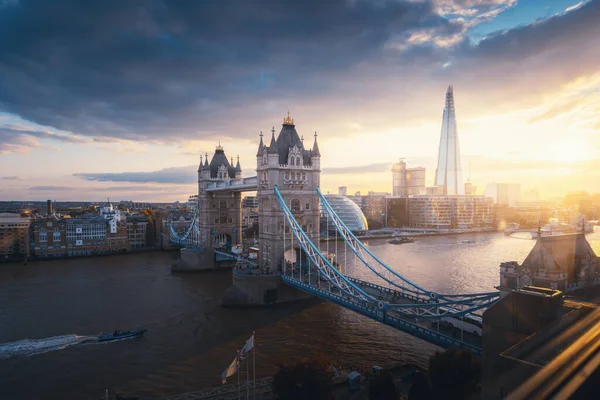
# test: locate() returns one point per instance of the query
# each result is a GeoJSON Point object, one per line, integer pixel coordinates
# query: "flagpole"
{"type": "Point", "coordinates": [247, 378]}
{"type": "Point", "coordinates": [238, 374]}
{"type": "Point", "coordinates": [254, 367]}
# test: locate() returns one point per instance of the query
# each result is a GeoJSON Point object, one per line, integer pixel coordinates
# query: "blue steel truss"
{"type": "Point", "coordinates": [191, 237]}
{"type": "Point", "coordinates": [388, 274]}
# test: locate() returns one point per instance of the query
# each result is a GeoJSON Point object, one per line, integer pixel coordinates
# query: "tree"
{"type": "Point", "coordinates": [382, 386]}
{"type": "Point", "coordinates": [420, 388]}
{"type": "Point", "coordinates": [307, 379]}
{"type": "Point", "coordinates": [454, 374]}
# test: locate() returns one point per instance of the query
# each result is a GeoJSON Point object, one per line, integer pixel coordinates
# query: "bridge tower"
{"type": "Point", "coordinates": [220, 212]}
{"type": "Point", "coordinates": [296, 171]}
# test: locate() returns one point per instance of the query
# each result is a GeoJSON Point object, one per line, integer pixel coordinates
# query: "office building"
{"type": "Point", "coordinates": [450, 212]}
{"type": "Point", "coordinates": [350, 214]}
{"type": "Point", "coordinates": [448, 175]}
{"type": "Point", "coordinates": [407, 181]}
{"type": "Point", "coordinates": [343, 190]}
{"type": "Point", "coordinates": [506, 194]}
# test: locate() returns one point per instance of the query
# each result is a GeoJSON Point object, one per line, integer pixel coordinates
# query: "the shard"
{"type": "Point", "coordinates": [448, 175]}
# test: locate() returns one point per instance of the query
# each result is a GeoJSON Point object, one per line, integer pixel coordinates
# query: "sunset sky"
{"type": "Point", "coordinates": [118, 99]}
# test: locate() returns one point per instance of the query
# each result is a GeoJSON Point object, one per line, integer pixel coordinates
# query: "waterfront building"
{"type": "Point", "coordinates": [374, 207]}
{"type": "Point", "coordinates": [448, 174]}
{"type": "Point", "coordinates": [296, 172]}
{"type": "Point", "coordinates": [407, 181]}
{"type": "Point", "coordinates": [49, 237]}
{"type": "Point", "coordinates": [450, 212]}
{"type": "Point", "coordinates": [398, 215]}
{"type": "Point", "coordinates": [506, 194]}
{"type": "Point", "coordinates": [249, 211]}
{"type": "Point", "coordinates": [349, 213]}
{"type": "Point", "coordinates": [90, 235]}
{"type": "Point", "coordinates": [561, 262]}
{"type": "Point", "coordinates": [14, 236]}
{"type": "Point", "coordinates": [137, 231]}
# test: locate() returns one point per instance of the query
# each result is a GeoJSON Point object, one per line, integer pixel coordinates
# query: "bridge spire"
{"type": "Point", "coordinates": [273, 145]}
{"type": "Point", "coordinates": [315, 149]}
{"type": "Point", "coordinates": [261, 145]}
{"type": "Point", "coordinates": [206, 162]}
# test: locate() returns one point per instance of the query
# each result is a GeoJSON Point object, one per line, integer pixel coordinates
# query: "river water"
{"type": "Point", "coordinates": [49, 310]}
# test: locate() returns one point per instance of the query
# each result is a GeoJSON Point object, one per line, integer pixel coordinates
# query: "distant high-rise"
{"type": "Point", "coordinates": [448, 174]}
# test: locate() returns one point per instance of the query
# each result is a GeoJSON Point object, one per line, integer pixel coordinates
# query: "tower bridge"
{"type": "Point", "coordinates": [291, 264]}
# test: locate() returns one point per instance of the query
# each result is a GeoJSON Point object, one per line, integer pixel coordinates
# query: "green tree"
{"type": "Point", "coordinates": [455, 374]}
{"type": "Point", "coordinates": [307, 379]}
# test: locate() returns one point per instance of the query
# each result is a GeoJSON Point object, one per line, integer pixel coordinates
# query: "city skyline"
{"type": "Point", "coordinates": [95, 117]}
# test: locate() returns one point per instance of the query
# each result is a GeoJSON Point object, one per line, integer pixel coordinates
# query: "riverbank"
{"type": "Point", "coordinates": [412, 234]}
{"type": "Point", "coordinates": [27, 260]}
{"type": "Point", "coordinates": [402, 375]}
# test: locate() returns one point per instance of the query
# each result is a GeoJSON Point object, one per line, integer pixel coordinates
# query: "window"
{"type": "Point", "coordinates": [56, 236]}
{"type": "Point", "coordinates": [298, 161]}
{"type": "Point", "coordinates": [223, 205]}
{"type": "Point", "coordinates": [307, 206]}
{"type": "Point", "coordinates": [295, 205]}
{"type": "Point", "coordinates": [292, 161]}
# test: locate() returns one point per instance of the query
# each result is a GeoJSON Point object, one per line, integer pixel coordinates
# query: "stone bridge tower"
{"type": "Point", "coordinates": [219, 213]}
{"type": "Point", "coordinates": [296, 171]}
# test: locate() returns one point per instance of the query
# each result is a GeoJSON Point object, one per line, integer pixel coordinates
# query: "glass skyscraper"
{"type": "Point", "coordinates": [448, 174]}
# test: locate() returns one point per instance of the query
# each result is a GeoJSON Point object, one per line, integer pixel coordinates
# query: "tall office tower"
{"type": "Point", "coordinates": [448, 174]}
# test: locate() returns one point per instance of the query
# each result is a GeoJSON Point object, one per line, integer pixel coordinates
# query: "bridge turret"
{"type": "Point", "coordinates": [238, 168]}
{"type": "Point", "coordinates": [273, 151]}
{"type": "Point", "coordinates": [315, 155]}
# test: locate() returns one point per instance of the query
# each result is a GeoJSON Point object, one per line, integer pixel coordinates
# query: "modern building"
{"type": "Point", "coordinates": [506, 194]}
{"type": "Point", "coordinates": [561, 262]}
{"type": "Point", "coordinates": [343, 190]}
{"type": "Point", "coordinates": [407, 181]}
{"type": "Point", "coordinates": [448, 174]}
{"type": "Point", "coordinates": [249, 211]}
{"type": "Point", "coordinates": [374, 207]}
{"type": "Point", "coordinates": [349, 213]}
{"type": "Point", "coordinates": [14, 236]}
{"type": "Point", "coordinates": [450, 212]}
{"type": "Point", "coordinates": [250, 202]}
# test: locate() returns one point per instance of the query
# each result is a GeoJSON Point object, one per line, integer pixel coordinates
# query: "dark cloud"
{"type": "Point", "coordinates": [11, 178]}
{"type": "Point", "coordinates": [139, 70]}
{"type": "Point", "coordinates": [179, 175]}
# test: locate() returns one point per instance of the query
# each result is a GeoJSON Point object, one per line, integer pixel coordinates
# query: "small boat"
{"type": "Point", "coordinates": [401, 240]}
{"type": "Point", "coordinates": [467, 241]}
{"type": "Point", "coordinates": [116, 335]}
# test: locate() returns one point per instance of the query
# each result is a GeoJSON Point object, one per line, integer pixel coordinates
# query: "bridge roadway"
{"type": "Point", "coordinates": [428, 330]}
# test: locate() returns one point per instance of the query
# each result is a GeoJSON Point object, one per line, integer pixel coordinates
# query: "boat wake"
{"type": "Point", "coordinates": [31, 347]}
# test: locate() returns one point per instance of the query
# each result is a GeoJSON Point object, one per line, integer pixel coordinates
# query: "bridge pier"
{"type": "Point", "coordinates": [249, 290]}
{"type": "Point", "coordinates": [193, 260]}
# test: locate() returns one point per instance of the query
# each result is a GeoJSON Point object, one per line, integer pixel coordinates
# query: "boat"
{"type": "Point", "coordinates": [117, 335]}
{"type": "Point", "coordinates": [467, 241]}
{"type": "Point", "coordinates": [401, 240]}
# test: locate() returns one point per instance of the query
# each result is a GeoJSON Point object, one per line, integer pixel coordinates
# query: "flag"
{"type": "Point", "coordinates": [247, 347]}
{"type": "Point", "coordinates": [232, 369]}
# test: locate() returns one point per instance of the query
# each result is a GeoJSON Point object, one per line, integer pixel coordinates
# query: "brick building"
{"type": "Point", "coordinates": [14, 236]}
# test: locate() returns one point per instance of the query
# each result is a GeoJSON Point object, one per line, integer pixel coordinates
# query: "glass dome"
{"type": "Point", "coordinates": [348, 211]}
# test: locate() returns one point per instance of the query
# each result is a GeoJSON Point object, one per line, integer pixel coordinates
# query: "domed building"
{"type": "Point", "coordinates": [348, 211]}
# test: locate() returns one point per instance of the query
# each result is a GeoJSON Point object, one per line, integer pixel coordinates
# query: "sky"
{"type": "Point", "coordinates": [119, 99]}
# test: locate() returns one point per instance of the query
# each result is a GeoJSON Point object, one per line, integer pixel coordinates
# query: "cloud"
{"type": "Point", "coordinates": [20, 139]}
{"type": "Point", "coordinates": [574, 7]}
{"type": "Point", "coordinates": [179, 175]}
{"type": "Point", "coordinates": [51, 188]}
{"type": "Point", "coordinates": [167, 68]}
{"type": "Point", "coordinates": [11, 178]}
{"type": "Point", "coordinates": [358, 169]}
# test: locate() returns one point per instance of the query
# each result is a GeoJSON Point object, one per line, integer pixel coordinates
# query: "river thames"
{"type": "Point", "coordinates": [190, 338]}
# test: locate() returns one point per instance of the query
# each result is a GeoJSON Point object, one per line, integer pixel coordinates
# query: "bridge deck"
{"type": "Point", "coordinates": [432, 332]}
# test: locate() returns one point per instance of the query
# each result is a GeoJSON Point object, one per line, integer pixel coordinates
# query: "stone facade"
{"type": "Point", "coordinates": [296, 172]}
{"type": "Point", "coordinates": [14, 236]}
{"type": "Point", "coordinates": [49, 237]}
{"type": "Point", "coordinates": [219, 213]}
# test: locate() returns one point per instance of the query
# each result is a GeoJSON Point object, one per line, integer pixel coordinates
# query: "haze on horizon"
{"type": "Point", "coordinates": [119, 99]}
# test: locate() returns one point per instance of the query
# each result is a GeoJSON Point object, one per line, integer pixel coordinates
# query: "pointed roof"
{"type": "Point", "coordinates": [315, 149]}
{"type": "Point", "coordinates": [559, 253]}
{"type": "Point", "coordinates": [238, 168]}
{"type": "Point", "coordinates": [218, 159]}
{"type": "Point", "coordinates": [201, 164]}
{"type": "Point", "coordinates": [273, 145]}
{"type": "Point", "coordinates": [261, 145]}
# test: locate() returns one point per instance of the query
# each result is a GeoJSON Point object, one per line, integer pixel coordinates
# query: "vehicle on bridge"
{"type": "Point", "coordinates": [469, 322]}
